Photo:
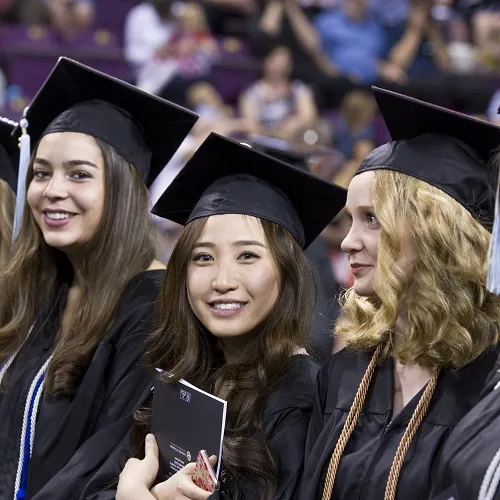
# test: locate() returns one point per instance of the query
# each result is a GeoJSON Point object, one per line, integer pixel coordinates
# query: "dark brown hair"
{"type": "Point", "coordinates": [183, 347]}
{"type": "Point", "coordinates": [7, 208]}
{"type": "Point", "coordinates": [122, 247]}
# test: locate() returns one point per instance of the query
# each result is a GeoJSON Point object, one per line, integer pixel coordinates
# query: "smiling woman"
{"type": "Point", "coordinates": [234, 316]}
{"type": "Point", "coordinates": [81, 281]}
{"type": "Point", "coordinates": [67, 189]}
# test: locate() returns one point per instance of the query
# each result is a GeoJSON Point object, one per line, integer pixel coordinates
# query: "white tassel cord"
{"type": "Point", "coordinates": [28, 430]}
{"type": "Point", "coordinates": [493, 278]}
{"type": "Point", "coordinates": [24, 161]}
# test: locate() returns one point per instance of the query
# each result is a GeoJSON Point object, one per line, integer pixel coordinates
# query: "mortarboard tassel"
{"type": "Point", "coordinates": [493, 277]}
{"type": "Point", "coordinates": [24, 161]}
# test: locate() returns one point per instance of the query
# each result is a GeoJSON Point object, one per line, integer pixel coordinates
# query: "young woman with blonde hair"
{"type": "Point", "coordinates": [420, 327]}
{"type": "Point", "coordinates": [78, 291]}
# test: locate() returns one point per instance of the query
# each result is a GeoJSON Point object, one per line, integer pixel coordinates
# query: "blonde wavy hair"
{"type": "Point", "coordinates": [7, 208]}
{"type": "Point", "coordinates": [450, 318]}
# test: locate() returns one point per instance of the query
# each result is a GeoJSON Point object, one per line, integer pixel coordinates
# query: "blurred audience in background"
{"type": "Point", "coordinates": [293, 71]}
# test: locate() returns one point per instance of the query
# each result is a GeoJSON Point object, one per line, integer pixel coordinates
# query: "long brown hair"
{"type": "Point", "coordinates": [122, 247]}
{"type": "Point", "coordinates": [7, 208]}
{"type": "Point", "coordinates": [182, 346]}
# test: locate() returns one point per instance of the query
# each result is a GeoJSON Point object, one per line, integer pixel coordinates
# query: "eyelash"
{"type": "Point", "coordinates": [200, 256]}
{"type": "Point", "coordinates": [42, 174]}
{"type": "Point", "coordinates": [369, 216]}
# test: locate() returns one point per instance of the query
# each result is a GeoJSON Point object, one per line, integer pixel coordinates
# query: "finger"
{"type": "Point", "coordinates": [151, 452]}
{"type": "Point", "coordinates": [193, 492]}
{"type": "Point", "coordinates": [213, 460]}
{"type": "Point", "coordinates": [189, 468]}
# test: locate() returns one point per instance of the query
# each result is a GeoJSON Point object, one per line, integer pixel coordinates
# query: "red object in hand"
{"type": "Point", "coordinates": [204, 476]}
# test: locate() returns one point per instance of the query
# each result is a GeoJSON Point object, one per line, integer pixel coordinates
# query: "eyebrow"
{"type": "Point", "coordinates": [241, 243]}
{"type": "Point", "coordinates": [365, 208]}
{"type": "Point", "coordinates": [67, 164]}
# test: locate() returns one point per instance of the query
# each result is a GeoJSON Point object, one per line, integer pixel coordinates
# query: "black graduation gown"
{"type": "Point", "coordinates": [368, 456]}
{"type": "Point", "coordinates": [286, 420]}
{"type": "Point", "coordinates": [67, 430]}
{"type": "Point", "coordinates": [469, 450]}
{"type": "Point", "coordinates": [327, 304]}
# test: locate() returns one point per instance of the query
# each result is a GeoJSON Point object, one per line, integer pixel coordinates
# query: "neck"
{"type": "Point", "coordinates": [233, 347]}
{"type": "Point", "coordinates": [275, 79]}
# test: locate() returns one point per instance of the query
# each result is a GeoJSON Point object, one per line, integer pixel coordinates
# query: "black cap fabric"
{"type": "Point", "coordinates": [444, 148]}
{"type": "Point", "coordinates": [9, 153]}
{"type": "Point", "coordinates": [226, 177]}
{"type": "Point", "coordinates": [144, 129]}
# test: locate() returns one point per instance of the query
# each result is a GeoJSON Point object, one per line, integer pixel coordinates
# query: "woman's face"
{"type": "Point", "coordinates": [232, 280]}
{"type": "Point", "coordinates": [361, 243]}
{"type": "Point", "coordinates": [66, 194]}
{"type": "Point", "coordinates": [278, 63]}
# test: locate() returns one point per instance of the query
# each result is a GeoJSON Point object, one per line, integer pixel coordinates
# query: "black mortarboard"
{"type": "Point", "coordinates": [9, 153]}
{"type": "Point", "coordinates": [226, 177]}
{"type": "Point", "coordinates": [146, 130]}
{"type": "Point", "coordinates": [444, 148]}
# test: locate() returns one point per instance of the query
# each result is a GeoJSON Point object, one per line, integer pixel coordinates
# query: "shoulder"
{"type": "Point", "coordinates": [296, 387]}
{"type": "Point", "coordinates": [341, 375]}
{"type": "Point", "coordinates": [142, 290]}
{"type": "Point", "coordinates": [145, 283]}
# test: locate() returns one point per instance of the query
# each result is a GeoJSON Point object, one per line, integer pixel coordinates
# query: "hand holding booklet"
{"type": "Point", "coordinates": [185, 421]}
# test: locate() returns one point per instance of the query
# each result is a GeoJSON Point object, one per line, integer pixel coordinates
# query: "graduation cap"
{"type": "Point", "coordinates": [146, 130]}
{"type": "Point", "coordinates": [226, 177]}
{"type": "Point", "coordinates": [9, 153]}
{"type": "Point", "coordinates": [444, 148]}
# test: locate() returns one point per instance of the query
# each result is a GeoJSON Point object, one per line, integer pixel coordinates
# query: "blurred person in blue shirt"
{"type": "Point", "coordinates": [355, 42]}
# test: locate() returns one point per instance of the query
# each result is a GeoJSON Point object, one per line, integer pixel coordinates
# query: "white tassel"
{"type": "Point", "coordinates": [24, 161]}
{"type": "Point", "coordinates": [493, 277]}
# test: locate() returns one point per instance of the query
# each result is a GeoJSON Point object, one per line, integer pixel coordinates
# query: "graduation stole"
{"type": "Point", "coordinates": [352, 419]}
{"type": "Point", "coordinates": [29, 423]}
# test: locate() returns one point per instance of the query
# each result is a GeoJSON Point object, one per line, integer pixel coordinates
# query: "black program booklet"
{"type": "Point", "coordinates": [186, 420]}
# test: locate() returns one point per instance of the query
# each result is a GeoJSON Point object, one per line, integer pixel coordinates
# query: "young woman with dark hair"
{"type": "Point", "coordinates": [79, 287]}
{"type": "Point", "coordinates": [233, 319]}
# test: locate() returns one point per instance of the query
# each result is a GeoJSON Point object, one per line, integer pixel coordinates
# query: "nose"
{"type": "Point", "coordinates": [56, 187]}
{"type": "Point", "coordinates": [224, 279]}
{"type": "Point", "coordinates": [353, 242]}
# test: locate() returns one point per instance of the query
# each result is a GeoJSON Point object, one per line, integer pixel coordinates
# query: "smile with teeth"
{"type": "Point", "coordinates": [58, 215]}
{"type": "Point", "coordinates": [232, 306]}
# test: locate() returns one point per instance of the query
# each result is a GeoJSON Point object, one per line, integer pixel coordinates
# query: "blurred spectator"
{"type": "Point", "coordinates": [356, 121]}
{"type": "Point", "coordinates": [390, 12]}
{"type": "Point", "coordinates": [204, 99]}
{"type": "Point", "coordinates": [486, 30]}
{"type": "Point", "coordinates": [193, 49]}
{"type": "Point", "coordinates": [227, 17]}
{"type": "Point", "coordinates": [70, 18]}
{"type": "Point", "coordinates": [149, 28]}
{"type": "Point", "coordinates": [168, 52]}
{"type": "Point", "coordinates": [283, 22]}
{"type": "Point", "coordinates": [417, 46]}
{"type": "Point", "coordinates": [360, 150]}
{"type": "Point", "coordinates": [355, 42]}
{"type": "Point", "coordinates": [275, 105]}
